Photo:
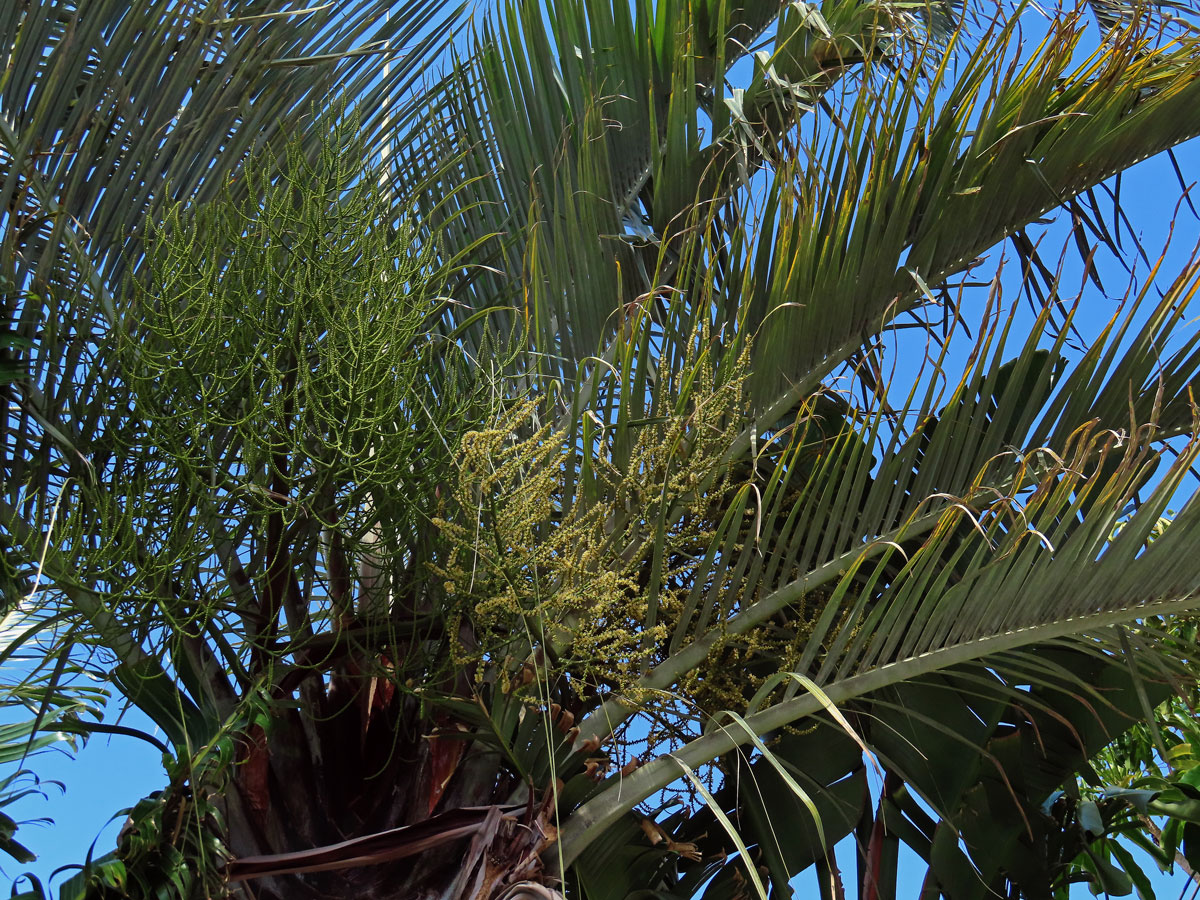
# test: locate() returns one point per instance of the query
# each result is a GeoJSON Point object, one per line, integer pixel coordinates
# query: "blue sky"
{"type": "Point", "coordinates": [112, 773]}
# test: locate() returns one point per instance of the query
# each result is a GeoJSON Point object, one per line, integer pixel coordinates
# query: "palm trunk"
{"type": "Point", "coordinates": [482, 853]}
{"type": "Point", "coordinates": [380, 807]}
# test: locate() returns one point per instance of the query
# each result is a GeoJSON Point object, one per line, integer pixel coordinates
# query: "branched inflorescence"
{"type": "Point", "coordinates": [581, 550]}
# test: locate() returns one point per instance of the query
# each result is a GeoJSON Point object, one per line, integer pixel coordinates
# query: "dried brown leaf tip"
{"type": "Point", "coordinates": [654, 832]}
{"type": "Point", "coordinates": [686, 849]}
{"type": "Point", "coordinates": [656, 835]}
{"type": "Point", "coordinates": [590, 745]}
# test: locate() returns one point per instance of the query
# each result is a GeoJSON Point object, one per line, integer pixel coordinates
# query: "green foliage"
{"type": "Point", "coordinates": [1143, 789]}
{"type": "Point", "coordinates": [415, 486]}
{"type": "Point", "coordinates": [40, 713]}
{"type": "Point", "coordinates": [11, 342]}
{"type": "Point", "coordinates": [295, 324]}
{"type": "Point", "coordinates": [553, 531]}
{"type": "Point", "coordinates": [280, 379]}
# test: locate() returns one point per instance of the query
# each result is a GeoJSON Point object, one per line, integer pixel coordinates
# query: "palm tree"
{"type": "Point", "coordinates": [531, 506]}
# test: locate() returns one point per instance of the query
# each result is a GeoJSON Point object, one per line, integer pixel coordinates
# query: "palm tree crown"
{"type": "Point", "coordinates": [598, 453]}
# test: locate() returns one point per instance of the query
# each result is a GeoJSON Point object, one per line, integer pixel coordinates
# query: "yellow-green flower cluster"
{"type": "Point", "coordinates": [582, 550]}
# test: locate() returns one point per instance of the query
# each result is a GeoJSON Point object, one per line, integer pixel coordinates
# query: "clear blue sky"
{"type": "Point", "coordinates": [113, 773]}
